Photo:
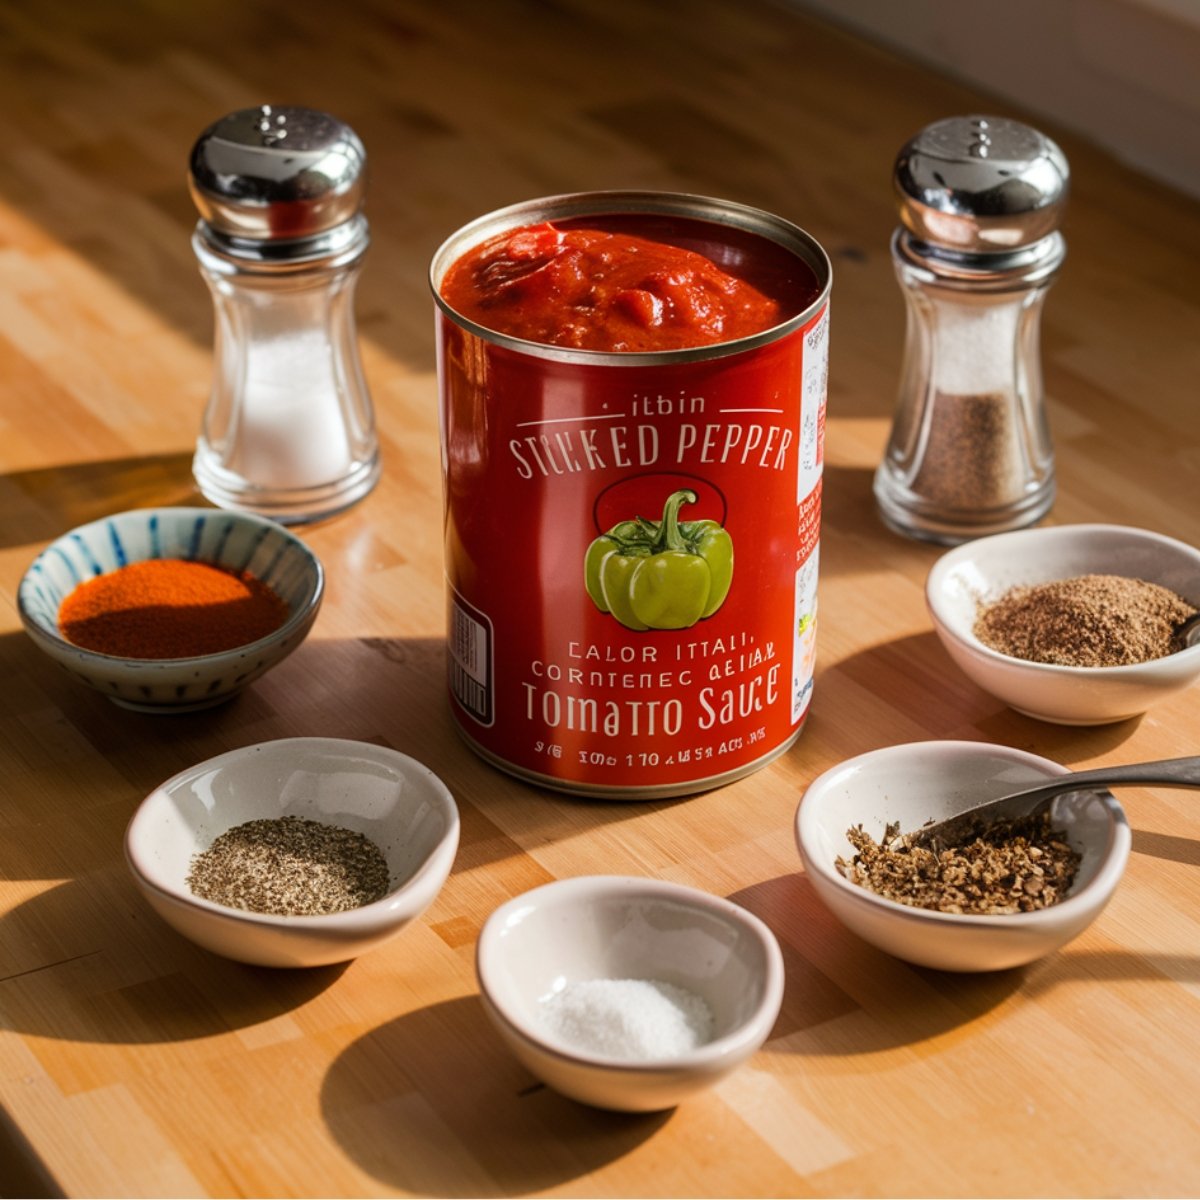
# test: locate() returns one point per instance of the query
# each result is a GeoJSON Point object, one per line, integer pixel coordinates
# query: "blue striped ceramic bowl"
{"type": "Point", "coordinates": [238, 541]}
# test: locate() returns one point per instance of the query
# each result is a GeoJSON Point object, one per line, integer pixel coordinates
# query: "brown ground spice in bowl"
{"type": "Point", "coordinates": [1012, 866]}
{"type": "Point", "coordinates": [1086, 621]}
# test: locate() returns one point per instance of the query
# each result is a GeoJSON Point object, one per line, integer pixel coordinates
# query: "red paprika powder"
{"type": "Point", "coordinates": [170, 608]}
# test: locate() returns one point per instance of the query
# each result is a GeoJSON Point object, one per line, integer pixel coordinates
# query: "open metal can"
{"type": "Point", "coordinates": [632, 537]}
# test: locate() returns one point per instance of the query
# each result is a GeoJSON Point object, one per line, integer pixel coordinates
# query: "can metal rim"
{"type": "Point", "coordinates": [593, 204]}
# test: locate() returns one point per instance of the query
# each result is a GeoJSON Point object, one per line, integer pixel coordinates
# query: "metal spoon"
{"type": "Point", "coordinates": [1188, 632]}
{"type": "Point", "coordinates": [1170, 772]}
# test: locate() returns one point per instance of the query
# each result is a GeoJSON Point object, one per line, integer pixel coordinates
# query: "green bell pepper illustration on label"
{"type": "Point", "coordinates": [665, 574]}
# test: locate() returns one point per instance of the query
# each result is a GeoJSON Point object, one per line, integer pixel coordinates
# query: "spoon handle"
{"type": "Point", "coordinates": [1170, 772]}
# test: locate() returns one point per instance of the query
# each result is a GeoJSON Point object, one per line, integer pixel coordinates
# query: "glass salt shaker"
{"type": "Point", "coordinates": [289, 431]}
{"type": "Point", "coordinates": [970, 452]}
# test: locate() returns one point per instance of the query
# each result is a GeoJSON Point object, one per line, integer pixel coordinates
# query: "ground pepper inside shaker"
{"type": "Point", "coordinates": [970, 452]}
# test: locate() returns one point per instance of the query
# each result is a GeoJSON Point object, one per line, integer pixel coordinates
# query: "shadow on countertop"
{"type": "Point", "coordinates": [117, 974]}
{"type": "Point", "coordinates": [44, 503]}
{"type": "Point", "coordinates": [22, 1172]}
{"type": "Point", "coordinates": [438, 1085]}
{"type": "Point", "coordinates": [916, 676]}
{"type": "Point", "coordinates": [880, 1002]}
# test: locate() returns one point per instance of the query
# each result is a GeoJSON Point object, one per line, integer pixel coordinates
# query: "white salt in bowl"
{"type": "Point", "coordinates": [605, 927]}
{"type": "Point", "coordinates": [233, 540]}
{"type": "Point", "coordinates": [402, 806]}
{"type": "Point", "coordinates": [923, 781]}
{"type": "Point", "coordinates": [980, 572]}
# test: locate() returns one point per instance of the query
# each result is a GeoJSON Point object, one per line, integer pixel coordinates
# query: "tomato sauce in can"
{"type": "Point", "coordinates": [632, 390]}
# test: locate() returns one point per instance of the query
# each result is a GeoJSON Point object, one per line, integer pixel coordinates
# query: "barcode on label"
{"type": "Point", "coordinates": [470, 645]}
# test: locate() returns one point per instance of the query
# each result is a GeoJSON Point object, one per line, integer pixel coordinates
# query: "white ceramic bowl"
{"type": "Point", "coordinates": [617, 927]}
{"type": "Point", "coordinates": [238, 541]}
{"type": "Point", "coordinates": [392, 799]}
{"type": "Point", "coordinates": [921, 781]}
{"type": "Point", "coordinates": [982, 571]}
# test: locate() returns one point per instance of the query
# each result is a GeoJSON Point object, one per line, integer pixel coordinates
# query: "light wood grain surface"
{"type": "Point", "coordinates": [133, 1063]}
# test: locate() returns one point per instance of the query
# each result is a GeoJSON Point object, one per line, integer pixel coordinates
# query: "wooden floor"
{"type": "Point", "coordinates": [134, 1063]}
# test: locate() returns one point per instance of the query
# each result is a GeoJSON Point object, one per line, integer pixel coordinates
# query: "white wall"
{"type": "Point", "coordinates": [1125, 74]}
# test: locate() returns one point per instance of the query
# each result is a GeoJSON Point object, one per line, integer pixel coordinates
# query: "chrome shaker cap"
{"type": "Point", "coordinates": [981, 185]}
{"type": "Point", "coordinates": [277, 173]}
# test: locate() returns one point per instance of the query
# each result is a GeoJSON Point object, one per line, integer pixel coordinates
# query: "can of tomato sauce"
{"type": "Point", "coordinates": [632, 390]}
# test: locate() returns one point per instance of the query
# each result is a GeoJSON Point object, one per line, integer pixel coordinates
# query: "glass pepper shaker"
{"type": "Point", "coordinates": [289, 431]}
{"type": "Point", "coordinates": [970, 452]}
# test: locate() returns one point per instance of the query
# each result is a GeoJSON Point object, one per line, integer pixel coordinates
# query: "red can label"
{"type": "Point", "coordinates": [632, 557]}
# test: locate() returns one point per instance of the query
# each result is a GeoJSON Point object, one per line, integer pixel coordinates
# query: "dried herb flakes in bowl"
{"type": "Point", "coordinates": [1012, 866]}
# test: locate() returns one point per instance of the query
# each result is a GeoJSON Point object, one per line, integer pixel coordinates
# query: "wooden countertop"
{"type": "Point", "coordinates": [136, 1064]}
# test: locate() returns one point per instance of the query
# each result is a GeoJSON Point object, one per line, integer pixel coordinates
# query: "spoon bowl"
{"type": "Point", "coordinates": [1189, 631]}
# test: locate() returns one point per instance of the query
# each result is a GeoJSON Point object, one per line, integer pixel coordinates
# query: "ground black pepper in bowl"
{"type": "Point", "coordinates": [1086, 621]}
{"type": "Point", "coordinates": [290, 866]}
{"type": "Point", "coordinates": [1012, 866]}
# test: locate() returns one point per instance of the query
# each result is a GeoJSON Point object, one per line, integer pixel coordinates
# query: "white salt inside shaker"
{"type": "Point", "coordinates": [289, 430]}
